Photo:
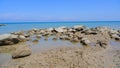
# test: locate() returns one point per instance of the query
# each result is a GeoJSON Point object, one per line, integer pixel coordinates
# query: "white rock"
{"type": "Point", "coordinates": [50, 29]}
{"type": "Point", "coordinates": [5, 36]}
{"type": "Point", "coordinates": [78, 26]}
{"type": "Point", "coordinates": [22, 37]}
{"type": "Point", "coordinates": [85, 41]}
{"type": "Point", "coordinates": [114, 32]}
{"type": "Point", "coordinates": [61, 29]}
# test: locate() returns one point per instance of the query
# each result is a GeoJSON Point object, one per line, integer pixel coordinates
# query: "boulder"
{"type": "Point", "coordinates": [79, 27]}
{"type": "Point", "coordinates": [115, 36]}
{"type": "Point", "coordinates": [113, 32]}
{"type": "Point", "coordinates": [61, 29]}
{"type": "Point", "coordinates": [85, 41]}
{"type": "Point", "coordinates": [22, 38]}
{"type": "Point", "coordinates": [38, 36]}
{"type": "Point", "coordinates": [21, 52]}
{"type": "Point", "coordinates": [50, 29]}
{"type": "Point", "coordinates": [5, 36]}
{"type": "Point", "coordinates": [8, 39]}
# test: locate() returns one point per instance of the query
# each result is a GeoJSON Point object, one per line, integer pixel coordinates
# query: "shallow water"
{"type": "Point", "coordinates": [50, 44]}
{"type": "Point", "coordinates": [42, 45]}
{"type": "Point", "coordinates": [4, 58]}
{"type": "Point", "coordinates": [115, 44]}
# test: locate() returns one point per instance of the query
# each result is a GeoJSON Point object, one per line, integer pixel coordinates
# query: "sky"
{"type": "Point", "coordinates": [59, 10]}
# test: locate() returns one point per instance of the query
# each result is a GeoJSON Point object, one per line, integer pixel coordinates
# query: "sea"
{"type": "Point", "coordinates": [18, 26]}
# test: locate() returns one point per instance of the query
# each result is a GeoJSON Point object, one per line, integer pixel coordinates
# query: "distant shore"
{"type": "Point", "coordinates": [96, 51]}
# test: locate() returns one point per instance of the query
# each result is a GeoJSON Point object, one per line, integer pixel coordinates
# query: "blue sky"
{"type": "Point", "coordinates": [59, 10]}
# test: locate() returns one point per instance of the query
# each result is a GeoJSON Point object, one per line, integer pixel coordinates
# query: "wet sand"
{"type": "Point", "coordinates": [70, 57]}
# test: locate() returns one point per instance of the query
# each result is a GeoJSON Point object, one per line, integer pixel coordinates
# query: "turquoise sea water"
{"type": "Point", "coordinates": [17, 26]}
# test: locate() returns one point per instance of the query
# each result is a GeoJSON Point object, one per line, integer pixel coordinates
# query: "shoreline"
{"type": "Point", "coordinates": [93, 53]}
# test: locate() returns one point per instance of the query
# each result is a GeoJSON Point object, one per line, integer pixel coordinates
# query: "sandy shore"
{"type": "Point", "coordinates": [70, 57]}
{"type": "Point", "coordinates": [96, 52]}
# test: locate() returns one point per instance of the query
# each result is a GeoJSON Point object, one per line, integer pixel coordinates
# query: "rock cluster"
{"type": "Point", "coordinates": [98, 36]}
{"type": "Point", "coordinates": [10, 39]}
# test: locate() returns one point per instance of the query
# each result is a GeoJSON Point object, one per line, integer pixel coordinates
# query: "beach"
{"type": "Point", "coordinates": [61, 47]}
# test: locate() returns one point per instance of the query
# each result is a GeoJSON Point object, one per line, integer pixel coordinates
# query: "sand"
{"type": "Point", "coordinates": [70, 57]}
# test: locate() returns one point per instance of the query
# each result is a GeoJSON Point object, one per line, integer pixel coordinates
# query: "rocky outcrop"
{"type": "Point", "coordinates": [9, 39]}
{"type": "Point", "coordinates": [21, 52]}
{"type": "Point", "coordinates": [116, 37]}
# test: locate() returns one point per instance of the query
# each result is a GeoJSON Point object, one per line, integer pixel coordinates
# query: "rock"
{"type": "Point", "coordinates": [103, 29]}
{"type": "Point", "coordinates": [38, 36]}
{"type": "Point", "coordinates": [18, 33]}
{"type": "Point", "coordinates": [113, 32]}
{"type": "Point", "coordinates": [102, 43]}
{"type": "Point", "coordinates": [45, 34]}
{"type": "Point", "coordinates": [79, 27]}
{"type": "Point", "coordinates": [22, 38]}
{"type": "Point", "coordinates": [27, 35]}
{"type": "Point", "coordinates": [35, 29]}
{"type": "Point", "coordinates": [63, 37]}
{"type": "Point", "coordinates": [8, 39]}
{"type": "Point", "coordinates": [115, 36]}
{"type": "Point", "coordinates": [42, 31]}
{"type": "Point", "coordinates": [85, 41]}
{"type": "Point", "coordinates": [61, 29]}
{"type": "Point", "coordinates": [89, 31]}
{"type": "Point", "coordinates": [21, 52]}
{"type": "Point", "coordinates": [74, 39]}
{"type": "Point", "coordinates": [119, 31]}
{"type": "Point", "coordinates": [5, 36]}
{"type": "Point", "coordinates": [55, 38]}
{"type": "Point", "coordinates": [50, 29]}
